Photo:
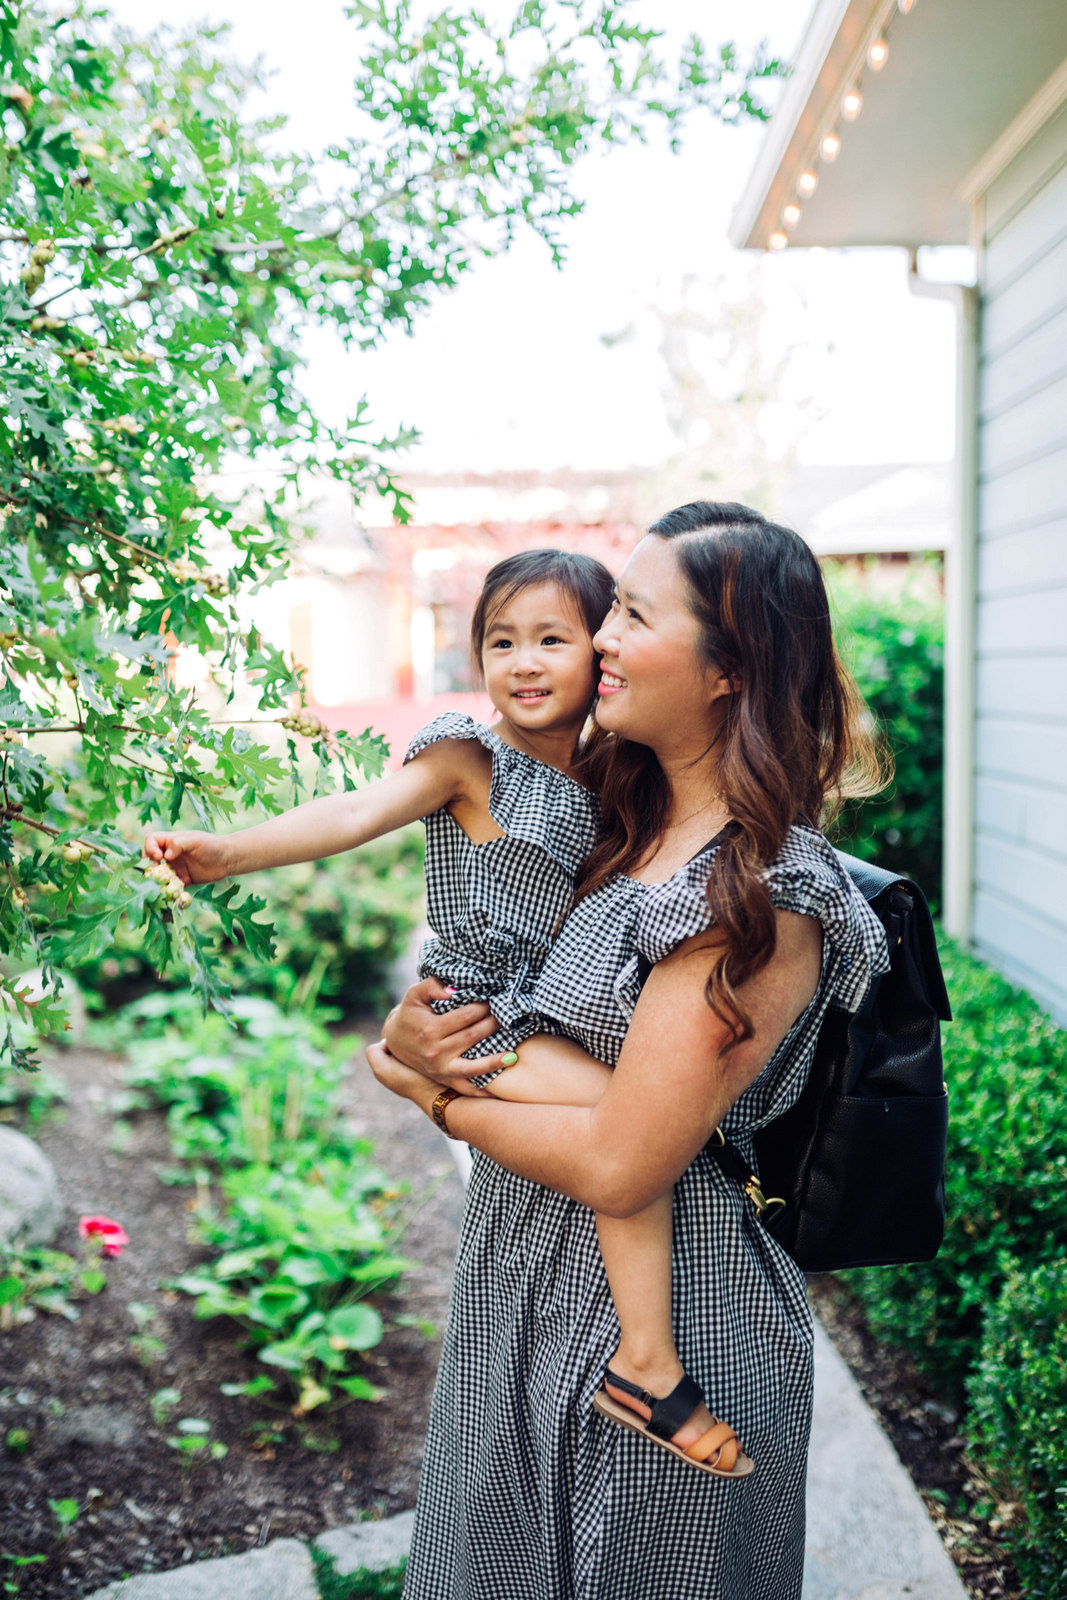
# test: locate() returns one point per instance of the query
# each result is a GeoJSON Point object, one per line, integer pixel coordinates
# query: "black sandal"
{"type": "Point", "coordinates": [716, 1451]}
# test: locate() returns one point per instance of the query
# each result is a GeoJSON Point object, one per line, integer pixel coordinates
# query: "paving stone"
{"type": "Point", "coordinates": [280, 1571]}
{"type": "Point", "coordinates": [30, 1207]}
{"type": "Point", "coordinates": [868, 1537]}
{"type": "Point", "coordinates": [369, 1546]}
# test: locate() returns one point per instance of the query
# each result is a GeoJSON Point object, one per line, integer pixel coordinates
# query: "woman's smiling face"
{"type": "Point", "coordinates": [656, 688]}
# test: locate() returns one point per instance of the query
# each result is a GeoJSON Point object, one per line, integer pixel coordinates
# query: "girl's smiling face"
{"type": "Point", "coordinates": [538, 661]}
{"type": "Point", "coordinates": [656, 687]}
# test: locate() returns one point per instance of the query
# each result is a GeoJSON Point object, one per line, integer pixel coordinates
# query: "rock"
{"type": "Point", "coordinates": [99, 1425]}
{"type": "Point", "coordinates": [30, 1207]}
{"type": "Point", "coordinates": [281, 1571]}
{"type": "Point", "coordinates": [369, 1546]}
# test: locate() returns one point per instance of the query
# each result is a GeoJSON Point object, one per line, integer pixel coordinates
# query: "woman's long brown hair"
{"type": "Point", "coordinates": [792, 746]}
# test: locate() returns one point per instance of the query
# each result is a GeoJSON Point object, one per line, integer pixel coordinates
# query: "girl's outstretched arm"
{"type": "Point", "coordinates": [443, 773]}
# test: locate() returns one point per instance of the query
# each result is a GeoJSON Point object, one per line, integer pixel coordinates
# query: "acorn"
{"type": "Point", "coordinates": [82, 358]}
{"type": "Point", "coordinates": [20, 898]}
{"type": "Point", "coordinates": [32, 277]}
{"type": "Point", "coordinates": [43, 252]}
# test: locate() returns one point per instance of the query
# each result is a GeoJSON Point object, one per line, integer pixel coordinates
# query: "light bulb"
{"type": "Point", "coordinates": [807, 183]}
{"type": "Point", "coordinates": [877, 54]}
{"type": "Point", "coordinates": [790, 215]}
{"type": "Point", "coordinates": [777, 240]}
{"type": "Point", "coordinates": [851, 104]}
{"type": "Point", "coordinates": [831, 144]}
{"type": "Point", "coordinates": [904, 6]}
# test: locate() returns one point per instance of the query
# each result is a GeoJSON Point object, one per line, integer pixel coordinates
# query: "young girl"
{"type": "Point", "coordinates": [507, 825]}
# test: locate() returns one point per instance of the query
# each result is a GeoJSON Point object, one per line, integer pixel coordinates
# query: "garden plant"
{"type": "Point", "coordinates": [161, 253]}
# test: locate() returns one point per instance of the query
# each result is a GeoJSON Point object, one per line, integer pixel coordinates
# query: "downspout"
{"type": "Point", "coordinates": [957, 881]}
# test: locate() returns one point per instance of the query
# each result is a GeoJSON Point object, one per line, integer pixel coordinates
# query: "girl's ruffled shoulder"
{"type": "Point", "coordinates": [453, 725]}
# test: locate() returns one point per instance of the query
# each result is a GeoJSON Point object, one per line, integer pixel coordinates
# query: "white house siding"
{"type": "Point", "coordinates": [1020, 856]}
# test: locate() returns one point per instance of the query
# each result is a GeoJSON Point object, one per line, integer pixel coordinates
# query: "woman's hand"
{"type": "Point", "coordinates": [398, 1079]}
{"type": "Point", "coordinates": [433, 1044]}
{"type": "Point", "coordinates": [195, 857]}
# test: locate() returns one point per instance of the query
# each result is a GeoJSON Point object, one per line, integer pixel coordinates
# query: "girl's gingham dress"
{"type": "Point", "coordinates": [494, 907]}
{"type": "Point", "coordinates": [527, 1493]}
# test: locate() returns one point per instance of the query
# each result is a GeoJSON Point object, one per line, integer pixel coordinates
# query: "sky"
{"type": "Point", "coordinates": [524, 366]}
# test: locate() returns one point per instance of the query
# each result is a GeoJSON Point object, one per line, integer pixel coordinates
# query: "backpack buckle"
{"type": "Point", "coordinates": [761, 1202]}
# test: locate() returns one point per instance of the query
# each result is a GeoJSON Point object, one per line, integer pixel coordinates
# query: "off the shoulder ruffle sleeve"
{"type": "Point", "coordinates": [805, 877]}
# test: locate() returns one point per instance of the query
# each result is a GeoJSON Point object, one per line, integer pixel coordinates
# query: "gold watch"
{"type": "Point", "coordinates": [437, 1110]}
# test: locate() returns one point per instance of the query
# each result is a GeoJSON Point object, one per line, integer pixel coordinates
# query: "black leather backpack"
{"type": "Point", "coordinates": [853, 1175]}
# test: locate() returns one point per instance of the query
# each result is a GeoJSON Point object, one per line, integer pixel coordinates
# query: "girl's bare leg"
{"type": "Point", "coordinates": [636, 1250]}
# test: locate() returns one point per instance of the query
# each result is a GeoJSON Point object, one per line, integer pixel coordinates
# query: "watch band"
{"type": "Point", "coordinates": [437, 1110]}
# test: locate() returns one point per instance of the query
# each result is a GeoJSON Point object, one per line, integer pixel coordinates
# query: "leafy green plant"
{"type": "Point", "coordinates": [300, 1249]}
{"type": "Point", "coordinates": [161, 254]}
{"type": "Point", "coordinates": [1006, 1176]}
{"type": "Point", "coordinates": [13, 1585]}
{"type": "Point", "coordinates": [33, 1278]}
{"type": "Point", "coordinates": [305, 1227]}
{"type": "Point", "coordinates": [146, 1346]}
{"type": "Point", "coordinates": [340, 923]}
{"type": "Point", "coordinates": [163, 1403]}
{"type": "Point", "coordinates": [65, 1514]}
{"type": "Point", "coordinates": [893, 641]}
{"type": "Point", "coordinates": [27, 1102]}
{"type": "Point", "coordinates": [1018, 1416]}
{"type": "Point", "coordinates": [361, 1585]}
{"type": "Point", "coordinates": [234, 1097]}
{"type": "Point", "coordinates": [193, 1441]}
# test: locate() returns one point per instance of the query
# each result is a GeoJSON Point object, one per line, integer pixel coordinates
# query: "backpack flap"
{"type": "Point", "coordinates": [860, 1158]}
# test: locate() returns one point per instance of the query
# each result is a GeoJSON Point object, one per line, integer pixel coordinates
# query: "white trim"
{"type": "Point", "coordinates": [804, 86]}
{"type": "Point", "coordinates": [1016, 136]}
{"type": "Point", "coordinates": [961, 560]}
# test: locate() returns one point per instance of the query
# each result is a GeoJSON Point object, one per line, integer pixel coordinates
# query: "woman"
{"type": "Point", "coordinates": [725, 721]}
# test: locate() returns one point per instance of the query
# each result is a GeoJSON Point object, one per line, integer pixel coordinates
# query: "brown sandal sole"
{"type": "Point", "coordinates": [617, 1412]}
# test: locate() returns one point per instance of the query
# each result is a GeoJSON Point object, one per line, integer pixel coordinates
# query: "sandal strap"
{"type": "Point", "coordinates": [675, 1409]}
{"type": "Point", "coordinates": [629, 1388]}
{"type": "Point", "coordinates": [668, 1414]}
{"type": "Point", "coordinates": [716, 1441]}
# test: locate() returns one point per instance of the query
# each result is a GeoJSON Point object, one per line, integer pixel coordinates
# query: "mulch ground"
{"type": "Point", "coordinates": [84, 1396]}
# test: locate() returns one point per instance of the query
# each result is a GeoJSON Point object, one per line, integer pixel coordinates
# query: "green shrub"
{"type": "Point", "coordinates": [893, 641]}
{"type": "Point", "coordinates": [1006, 1182]}
{"type": "Point", "coordinates": [305, 1228]}
{"type": "Point", "coordinates": [339, 924]}
{"type": "Point", "coordinates": [1018, 1417]}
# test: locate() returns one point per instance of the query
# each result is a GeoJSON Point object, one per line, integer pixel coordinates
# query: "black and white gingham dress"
{"type": "Point", "coordinates": [527, 1493]}
{"type": "Point", "coordinates": [494, 907]}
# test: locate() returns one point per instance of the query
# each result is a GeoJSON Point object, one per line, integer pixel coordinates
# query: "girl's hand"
{"type": "Point", "coordinates": [195, 857]}
{"type": "Point", "coordinates": [433, 1044]}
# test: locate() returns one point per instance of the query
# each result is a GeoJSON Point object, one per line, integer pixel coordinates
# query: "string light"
{"type": "Point", "coordinates": [830, 145]}
{"type": "Point", "coordinates": [878, 53]}
{"type": "Point", "coordinates": [807, 183]}
{"type": "Point", "coordinates": [790, 215]}
{"type": "Point", "coordinates": [777, 240]}
{"type": "Point", "coordinates": [851, 103]}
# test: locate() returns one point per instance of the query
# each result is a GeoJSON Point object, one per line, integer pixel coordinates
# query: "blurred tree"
{"type": "Point", "coordinates": [160, 254]}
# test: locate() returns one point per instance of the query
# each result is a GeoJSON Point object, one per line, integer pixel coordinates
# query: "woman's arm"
{"type": "Point", "coordinates": [438, 776]}
{"type": "Point", "coordinates": [671, 1088]}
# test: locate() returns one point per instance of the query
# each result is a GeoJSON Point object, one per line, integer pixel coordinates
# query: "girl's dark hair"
{"type": "Point", "coordinates": [793, 743]}
{"type": "Point", "coordinates": [586, 582]}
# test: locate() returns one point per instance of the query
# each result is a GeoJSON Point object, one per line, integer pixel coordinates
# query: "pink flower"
{"type": "Point", "coordinates": [111, 1236]}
